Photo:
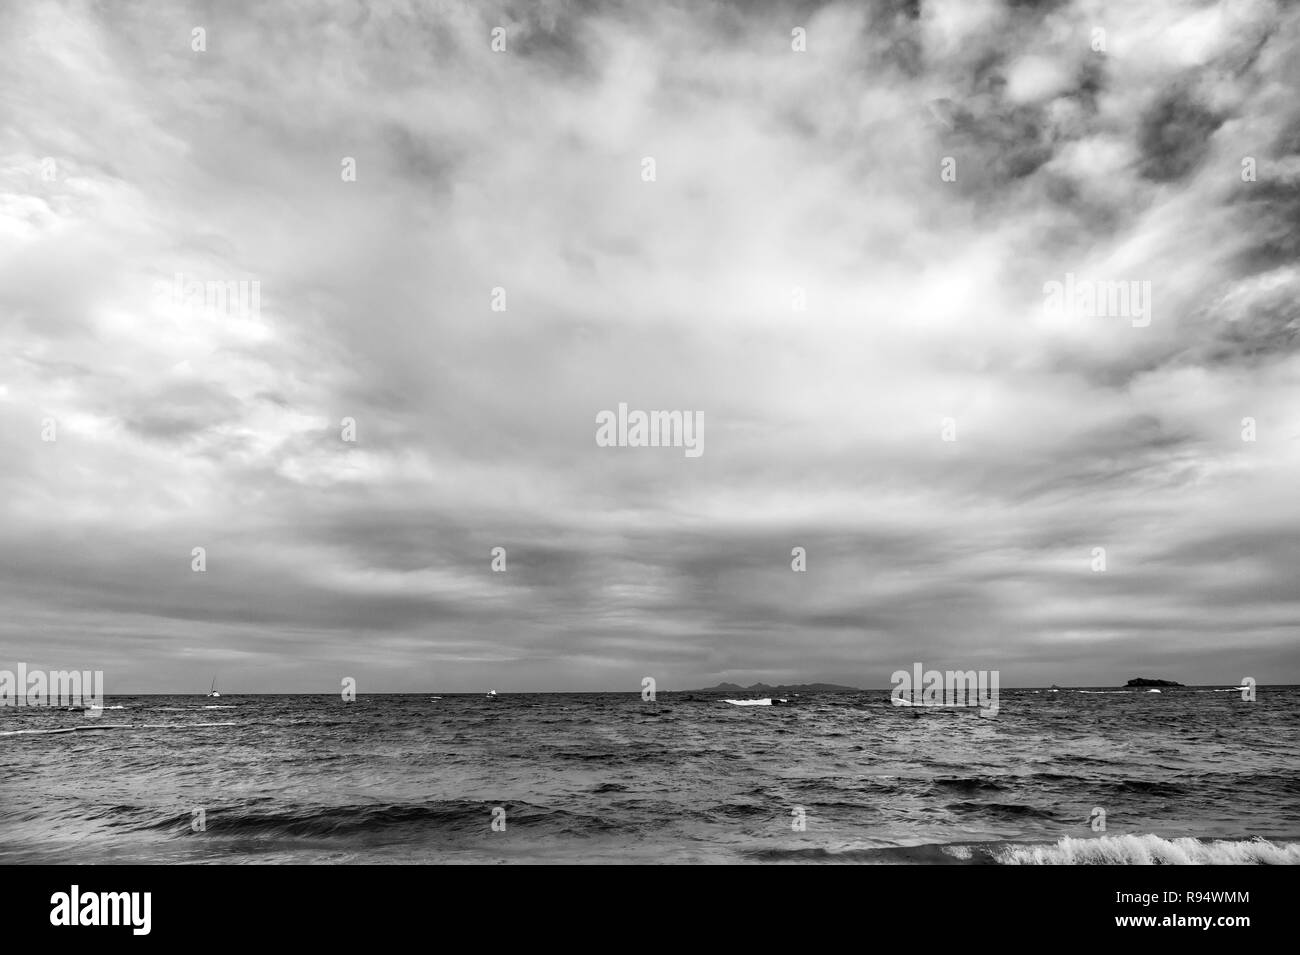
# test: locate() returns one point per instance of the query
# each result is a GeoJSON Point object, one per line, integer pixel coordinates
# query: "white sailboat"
{"type": "Point", "coordinates": [213, 692]}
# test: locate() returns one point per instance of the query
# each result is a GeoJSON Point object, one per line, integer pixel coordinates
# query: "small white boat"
{"type": "Point", "coordinates": [213, 692]}
{"type": "Point", "coordinates": [491, 694]}
{"type": "Point", "coordinates": [765, 701]}
{"type": "Point", "coordinates": [1153, 691]}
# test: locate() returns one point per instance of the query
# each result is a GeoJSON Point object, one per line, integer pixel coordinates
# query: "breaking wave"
{"type": "Point", "coordinates": [1152, 850]}
{"type": "Point", "coordinates": [1103, 850]}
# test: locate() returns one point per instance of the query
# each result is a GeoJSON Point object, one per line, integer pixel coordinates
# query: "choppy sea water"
{"type": "Point", "coordinates": [1187, 775]}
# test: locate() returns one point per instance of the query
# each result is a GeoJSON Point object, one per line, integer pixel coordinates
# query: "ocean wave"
{"type": "Point", "coordinates": [90, 727]}
{"type": "Point", "coordinates": [966, 783]}
{"type": "Point", "coordinates": [1001, 810]}
{"type": "Point", "coordinates": [967, 853]}
{"type": "Point", "coordinates": [1152, 850]}
{"type": "Point", "coordinates": [353, 820]}
{"type": "Point", "coordinates": [1102, 850]}
{"type": "Point", "coordinates": [1151, 787]}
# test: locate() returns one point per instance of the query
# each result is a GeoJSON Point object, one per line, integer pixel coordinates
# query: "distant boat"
{"type": "Point", "coordinates": [491, 694]}
{"type": "Point", "coordinates": [1153, 691]}
{"type": "Point", "coordinates": [765, 701]}
{"type": "Point", "coordinates": [435, 698]}
{"type": "Point", "coordinates": [213, 692]}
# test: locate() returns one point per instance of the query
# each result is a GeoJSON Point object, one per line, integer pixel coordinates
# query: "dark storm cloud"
{"type": "Point", "coordinates": [1175, 135]}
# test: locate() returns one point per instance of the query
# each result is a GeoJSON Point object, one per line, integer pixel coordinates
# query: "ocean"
{"type": "Point", "coordinates": [1103, 776]}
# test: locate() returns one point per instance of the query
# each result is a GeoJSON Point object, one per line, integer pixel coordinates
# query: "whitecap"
{"type": "Point", "coordinates": [68, 729]}
{"type": "Point", "coordinates": [1152, 850]}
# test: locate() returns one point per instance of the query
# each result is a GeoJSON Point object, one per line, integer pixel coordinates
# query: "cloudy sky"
{"type": "Point", "coordinates": [128, 157]}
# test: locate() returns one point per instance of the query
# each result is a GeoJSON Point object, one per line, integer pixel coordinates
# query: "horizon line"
{"type": "Point", "coordinates": [705, 689]}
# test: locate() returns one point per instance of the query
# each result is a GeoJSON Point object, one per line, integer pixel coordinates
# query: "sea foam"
{"type": "Point", "coordinates": [1152, 850]}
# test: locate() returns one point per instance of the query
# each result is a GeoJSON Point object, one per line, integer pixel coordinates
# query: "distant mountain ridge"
{"type": "Point", "coordinates": [779, 688]}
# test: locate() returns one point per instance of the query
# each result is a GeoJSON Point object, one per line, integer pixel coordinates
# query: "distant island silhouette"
{"type": "Point", "coordinates": [787, 688]}
{"type": "Point", "coordinates": [780, 688]}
